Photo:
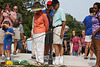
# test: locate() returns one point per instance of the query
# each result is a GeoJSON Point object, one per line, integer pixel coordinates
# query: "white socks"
{"type": "Point", "coordinates": [61, 60]}
{"type": "Point", "coordinates": [8, 58]}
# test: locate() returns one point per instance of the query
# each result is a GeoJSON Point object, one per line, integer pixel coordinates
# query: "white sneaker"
{"type": "Point", "coordinates": [55, 63]}
{"type": "Point", "coordinates": [61, 60]}
{"type": "Point", "coordinates": [3, 57]}
{"type": "Point", "coordinates": [46, 58]}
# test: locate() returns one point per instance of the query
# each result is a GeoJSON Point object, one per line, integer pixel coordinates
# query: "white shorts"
{"type": "Point", "coordinates": [17, 33]}
{"type": "Point", "coordinates": [2, 34]}
{"type": "Point", "coordinates": [56, 36]}
{"type": "Point", "coordinates": [88, 38]}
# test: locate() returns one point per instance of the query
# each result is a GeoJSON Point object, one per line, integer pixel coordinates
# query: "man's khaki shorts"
{"type": "Point", "coordinates": [17, 33]}
{"type": "Point", "coordinates": [56, 36]}
{"type": "Point", "coordinates": [2, 34]}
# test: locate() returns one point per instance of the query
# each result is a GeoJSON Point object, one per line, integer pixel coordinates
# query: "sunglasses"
{"type": "Point", "coordinates": [95, 8]}
{"type": "Point", "coordinates": [15, 9]}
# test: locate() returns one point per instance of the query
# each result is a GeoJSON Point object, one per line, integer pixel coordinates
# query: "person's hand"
{"type": "Point", "coordinates": [66, 49]}
{"type": "Point", "coordinates": [2, 12]}
{"type": "Point", "coordinates": [93, 34]}
{"type": "Point", "coordinates": [61, 34]}
{"type": "Point", "coordinates": [24, 45]}
{"type": "Point", "coordinates": [78, 51]}
{"type": "Point", "coordinates": [7, 32]}
{"type": "Point", "coordinates": [7, 12]}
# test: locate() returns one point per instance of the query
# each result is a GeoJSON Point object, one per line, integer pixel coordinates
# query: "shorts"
{"type": "Point", "coordinates": [88, 38]}
{"type": "Point", "coordinates": [20, 45]}
{"type": "Point", "coordinates": [75, 53]}
{"type": "Point", "coordinates": [47, 38]}
{"type": "Point", "coordinates": [7, 47]}
{"type": "Point", "coordinates": [56, 36]}
{"type": "Point", "coordinates": [2, 34]}
{"type": "Point", "coordinates": [17, 33]}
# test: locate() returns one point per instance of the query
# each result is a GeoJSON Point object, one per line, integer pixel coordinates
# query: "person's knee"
{"type": "Point", "coordinates": [15, 40]}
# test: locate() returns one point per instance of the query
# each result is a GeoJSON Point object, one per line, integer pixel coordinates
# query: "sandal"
{"type": "Point", "coordinates": [36, 63]}
{"type": "Point", "coordinates": [14, 53]}
{"type": "Point", "coordinates": [39, 63]}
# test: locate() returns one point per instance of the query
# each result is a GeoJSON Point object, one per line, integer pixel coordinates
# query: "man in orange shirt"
{"type": "Point", "coordinates": [40, 28]}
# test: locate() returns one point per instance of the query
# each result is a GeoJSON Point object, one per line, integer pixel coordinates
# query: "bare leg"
{"type": "Point", "coordinates": [61, 50]}
{"type": "Point", "coordinates": [86, 49]}
{"type": "Point", "coordinates": [2, 49]}
{"type": "Point", "coordinates": [56, 49]}
{"type": "Point", "coordinates": [15, 44]}
{"type": "Point", "coordinates": [19, 51]}
{"type": "Point", "coordinates": [97, 45]}
{"type": "Point", "coordinates": [8, 53]}
{"type": "Point", "coordinates": [91, 53]}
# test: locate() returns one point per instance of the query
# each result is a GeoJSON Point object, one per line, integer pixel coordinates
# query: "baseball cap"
{"type": "Point", "coordinates": [49, 3]}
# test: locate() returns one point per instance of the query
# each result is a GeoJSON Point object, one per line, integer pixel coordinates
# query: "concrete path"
{"type": "Point", "coordinates": [69, 61]}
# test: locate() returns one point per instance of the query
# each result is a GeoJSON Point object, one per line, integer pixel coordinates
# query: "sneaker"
{"type": "Point", "coordinates": [14, 53]}
{"type": "Point", "coordinates": [9, 58]}
{"type": "Point", "coordinates": [61, 60]}
{"type": "Point", "coordinates": [46, 58]}
{"type": "Point", "coordinates": [85, 58]}
{"type": "Point", "coordinates": [55, 63]}
{"type": "Point", "coordinates": [3, 57]}
{"type": "Point", "coordinates": [92, 58]}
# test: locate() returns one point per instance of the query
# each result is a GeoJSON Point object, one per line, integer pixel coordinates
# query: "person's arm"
{"type": "Point", "coordinates": [10, 33]}
{"type": "Point", "coordinates": [65, 43]}
{"type": "Point", "coordinates": [95, 32]}
{"type": "Point", "coordinates": [12, 16]}
{"type": "Point", "coordinates": [62, 29]}
{"type": "Point", "coordinates": [84, 22]}
{"type": "Point", "coordinates": [20, 19]}
{"type": "Point", "coordinates": [48, 12]}
{"type": "Point", "coordinates": [71, 48]}
{"type": "Point", "coordinates": [1, 19]}
{"type": "Point", "coordinates": [46, 23]}
{"type": "Point", "coordinates": [79, 46]}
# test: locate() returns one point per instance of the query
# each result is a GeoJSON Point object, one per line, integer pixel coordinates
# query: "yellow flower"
{"type": "Point", "coordinates": [9, 62]}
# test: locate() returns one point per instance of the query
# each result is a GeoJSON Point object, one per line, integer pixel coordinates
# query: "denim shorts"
{"type": "Point", "coordinates": [96, 37]}
{"type": "Point", "coordinates": [20, 45]}
{"type": "Point", "coordinates": [7, 47]}
{"type": "Point", "coordinates": [75, 53]}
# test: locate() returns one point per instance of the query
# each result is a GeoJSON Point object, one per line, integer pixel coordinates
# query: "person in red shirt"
{"type": "Point", "coordinates": [76, 44]}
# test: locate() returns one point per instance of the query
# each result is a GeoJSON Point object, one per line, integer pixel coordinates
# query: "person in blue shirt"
{"type": "Point", "coordinates": [88, 32]}
{"type": "Point", "coordinates": [49, 12]}
{"type": "Point", "coordinates": [7, 38]}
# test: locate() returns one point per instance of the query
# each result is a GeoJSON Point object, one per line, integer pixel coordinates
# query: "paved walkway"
{"type": "Point", "coordinates": [69, 61]}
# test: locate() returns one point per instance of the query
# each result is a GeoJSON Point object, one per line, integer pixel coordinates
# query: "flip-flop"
{"type": "Point", "coordinates": [85, 58]}
{"type": "Point", "coordinates": [36, 63]}
{"type": "Point", "coordinates": [39, 64]}
{"type": "Point", "coordinates": [92, 58]}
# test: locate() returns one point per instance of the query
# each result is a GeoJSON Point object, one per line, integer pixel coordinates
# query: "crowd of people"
{"type": "Point", "coordinates": [53, 17]}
